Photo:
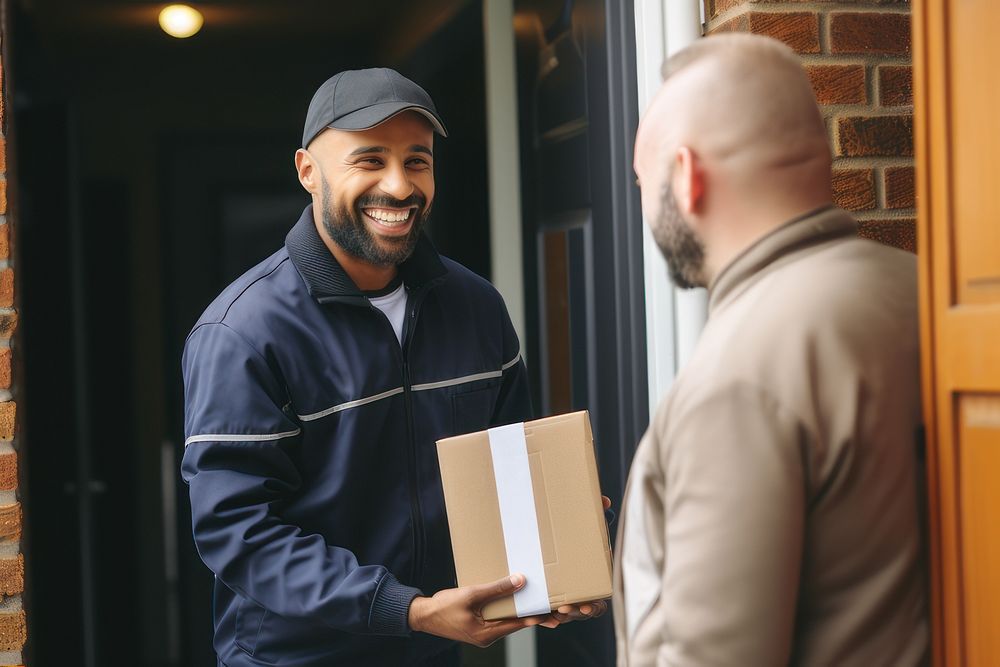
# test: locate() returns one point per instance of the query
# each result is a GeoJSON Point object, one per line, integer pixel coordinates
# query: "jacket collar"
{"type": "Point", "coordinates": [811, 229]}
{"type": "Point", "coordinates": [326, 279]}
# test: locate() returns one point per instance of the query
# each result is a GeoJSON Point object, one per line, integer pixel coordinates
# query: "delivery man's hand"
{"type": "Point", "coordinates": [457, 613]}
{"type": "Point", "coordinates": [583, 610]}
{"type": "Point", "coordinates": [575, 612]}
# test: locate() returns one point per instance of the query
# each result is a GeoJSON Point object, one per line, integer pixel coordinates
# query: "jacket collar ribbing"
{"type": "Point", "coordinates": [326, 279]}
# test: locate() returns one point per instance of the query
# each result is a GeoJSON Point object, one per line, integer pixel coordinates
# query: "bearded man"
{"type": "Point", "coordinates": [316, 386]}
{"type": "Point", "coordinates": [771, 513]}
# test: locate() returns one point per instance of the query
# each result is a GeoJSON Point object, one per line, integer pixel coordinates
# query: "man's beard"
{"type": "Point", "coordinates": [349, 231]}
{"type": "Point", "coordinates": [684, 252]}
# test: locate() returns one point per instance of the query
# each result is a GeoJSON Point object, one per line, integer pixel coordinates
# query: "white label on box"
{"type": "Point", "coordinates": [517, 515]}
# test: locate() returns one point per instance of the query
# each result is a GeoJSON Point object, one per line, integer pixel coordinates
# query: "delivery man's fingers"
{"type": "Point", "coordinates": [551, 621]}
{"type": "Point", "coordinates": [592, 609]}
{"type": "Point", "coordinates": [495, 630]}
{"type": "Point", "coordinates": [606, 502]}
{"type": "Point", "coordinates": [483, 593]}
{"type": "Point", "coordinates": [579, 612]}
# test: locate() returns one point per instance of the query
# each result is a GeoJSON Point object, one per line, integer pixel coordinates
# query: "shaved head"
{"type": "Point", "coordinates": [741, 98]}
{"type": "Point", "coordinates": [736, 113]}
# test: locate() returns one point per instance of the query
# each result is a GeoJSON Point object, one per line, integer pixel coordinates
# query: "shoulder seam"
{"type": "Point", "coordinates": [236, 333]}
{"type": "Point", "coordinates": [219, 320]}
{"type": "Point", "coordinates": [251, 284]}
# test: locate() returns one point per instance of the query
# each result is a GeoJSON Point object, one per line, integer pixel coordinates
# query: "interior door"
{"type": "Point", "coordinates": [958, 141]}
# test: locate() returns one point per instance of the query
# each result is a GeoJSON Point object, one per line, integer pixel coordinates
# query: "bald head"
{"type": "Point", "coordinates": [740, 99]}
{"type": "Point", "coordinates": [737, 113]}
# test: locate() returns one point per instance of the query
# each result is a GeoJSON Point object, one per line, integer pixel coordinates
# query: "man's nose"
{"type": "Point", "coordinates": [396, 182]}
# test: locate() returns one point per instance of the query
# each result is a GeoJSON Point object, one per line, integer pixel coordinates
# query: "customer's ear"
{"type": "Point", "coordinates": [689, 181]}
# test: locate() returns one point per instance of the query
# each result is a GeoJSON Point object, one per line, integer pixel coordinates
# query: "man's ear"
{"type": "Point", "coordinates": [308, 171]}
{"type": "Point", "coordinates": [690, 178]}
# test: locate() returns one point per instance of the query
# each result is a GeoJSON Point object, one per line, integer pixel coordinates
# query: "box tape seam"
{"type": "Point", "coordinates": [516, 498]}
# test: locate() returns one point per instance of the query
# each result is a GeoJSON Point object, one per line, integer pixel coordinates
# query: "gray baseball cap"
{"type": "Point", "coordinates": [361, 99]}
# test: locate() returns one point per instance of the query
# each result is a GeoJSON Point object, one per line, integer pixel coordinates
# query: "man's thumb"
{"type": "Point", "coordinates": [499, 588]}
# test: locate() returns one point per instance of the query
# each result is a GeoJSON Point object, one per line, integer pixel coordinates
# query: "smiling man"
{"type": "Point", "coordinates": [316, 386]}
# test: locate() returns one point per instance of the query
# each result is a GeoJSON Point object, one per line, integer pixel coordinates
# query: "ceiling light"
{"type": "Point", "coordinates": [180, 20]}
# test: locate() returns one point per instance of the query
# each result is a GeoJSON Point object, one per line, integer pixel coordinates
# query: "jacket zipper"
{"type": "Point", "coordinates": [416, 513]}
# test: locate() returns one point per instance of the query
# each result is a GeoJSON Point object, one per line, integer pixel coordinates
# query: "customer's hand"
{"type": "Point", "coordinates": [457, 613]}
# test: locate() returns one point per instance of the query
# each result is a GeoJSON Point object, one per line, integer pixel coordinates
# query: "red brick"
{"type": "Point", "coordinates": [13, 632]}
{"type": "Point", "coordinates": [8, 323]}
{"type": "Point", "coordinates": [838, 84]}
{"type": "Point", "coordinates": [869, 33]}
{"type": "Point", "coordinates": [6, 288]}
{"type": "Point", "coordinates": [895, 85]}
{"type": "Point", "coordinates": [799, 30]}
{"type": "Point", "coordinates": [5, 356]}
{"type": "Point", "coordinates": [715, 7]}
{"type": "Point", "coordinates": [8, 416]}
{"type": "Point", "coordinates": [854, 189]}
{"type": "Point", "coordinates": [10, 522]}
{"type": "Point", "coordinates": [740, 23]}
{"type": "Point", "coordinates": [8, 471]}
{"type": "Point", "coordinates": [875, 136]}
{"type": "Point", "coordinates": [901, 233]}
{"type": "Point", "coordinates": [899, 187]}
{"type": "Point", "coordinates": [12, 575]}
{"type": "Point", "coordinates": [4, 241]}
{"type": "Point", "coordinates": [3, 154]}
{"type": "Point", "coordinates": [3, 196]}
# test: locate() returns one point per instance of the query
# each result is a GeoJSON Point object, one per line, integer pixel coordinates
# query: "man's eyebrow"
{"type": "Point", "coordinates": [369, 149]}
{"type": "Point", "coordinates": [418, 148]}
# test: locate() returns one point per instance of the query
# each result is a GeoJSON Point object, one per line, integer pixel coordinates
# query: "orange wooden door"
{"type": "Point", "coordinates": [956, 51]}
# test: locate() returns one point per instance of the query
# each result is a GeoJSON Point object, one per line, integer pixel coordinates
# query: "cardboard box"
{"type": "Point", "coordinates": [526, 498]}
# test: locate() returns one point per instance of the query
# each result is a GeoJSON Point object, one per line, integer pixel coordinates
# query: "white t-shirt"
{"type": "Point", "coordinates": [393, 305]}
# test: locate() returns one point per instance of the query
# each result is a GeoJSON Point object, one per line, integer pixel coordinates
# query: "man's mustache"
{"type": "Point", "coordinates": [384, 201]}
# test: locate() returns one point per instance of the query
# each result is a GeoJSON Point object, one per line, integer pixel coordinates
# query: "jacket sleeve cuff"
{"type": "Point", "coordinates": [391, 607]}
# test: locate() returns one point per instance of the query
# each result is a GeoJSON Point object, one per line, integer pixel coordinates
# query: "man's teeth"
{"type": "Point", "coordinates": [387, 216]}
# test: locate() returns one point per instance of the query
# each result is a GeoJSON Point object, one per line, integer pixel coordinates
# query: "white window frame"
{"type": "Point", "coordinates": [674, 317]}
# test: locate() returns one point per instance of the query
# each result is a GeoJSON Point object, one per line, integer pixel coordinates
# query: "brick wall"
{"type": "Point", "coordinates": [857, 54]}
{"type": "Point", "coordinates": [12, 620]}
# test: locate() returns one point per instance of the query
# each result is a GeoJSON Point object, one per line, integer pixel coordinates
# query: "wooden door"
{"type": "Point", "coordinates": [958, 164]}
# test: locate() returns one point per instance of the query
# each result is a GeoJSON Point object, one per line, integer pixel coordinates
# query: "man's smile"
{"type": "Point", "coordinates": [391, 221]}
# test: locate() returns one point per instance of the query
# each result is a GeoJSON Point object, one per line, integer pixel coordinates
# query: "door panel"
{"type": "Point", "coordinates": [958, 157]}
{"type": "Point", "coordinates": [976, 153]}
{"type": "Point", "coordinates": [979, 435]}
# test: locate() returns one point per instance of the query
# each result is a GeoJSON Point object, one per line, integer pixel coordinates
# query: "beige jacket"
{"type": "Point", "coordinates": [771, 514]}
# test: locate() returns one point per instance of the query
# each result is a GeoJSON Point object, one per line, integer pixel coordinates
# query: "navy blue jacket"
{"type": "Point", "coordinates": [310, 449]}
